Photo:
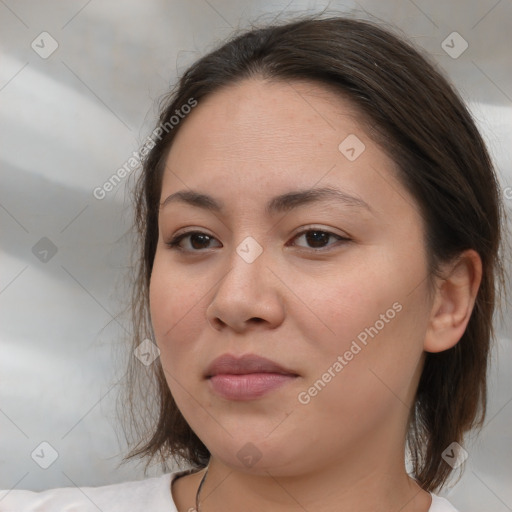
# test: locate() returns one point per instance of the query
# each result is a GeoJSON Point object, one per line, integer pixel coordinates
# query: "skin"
{"type": "Point", "coordinates": [298, 303]}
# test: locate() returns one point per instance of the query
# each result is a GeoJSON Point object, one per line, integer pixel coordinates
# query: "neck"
{"type": "Point", "coordinates": [340, 487]}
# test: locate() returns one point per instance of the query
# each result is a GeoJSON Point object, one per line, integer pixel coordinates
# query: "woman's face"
{"type": "Point", "coordinates": [330, 287]}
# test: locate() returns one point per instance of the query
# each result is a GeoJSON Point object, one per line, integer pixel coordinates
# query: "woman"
{"type": "Point", "coordinates": [320, 224]}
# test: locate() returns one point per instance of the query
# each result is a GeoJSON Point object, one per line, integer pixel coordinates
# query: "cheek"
{"type": "Point", "coordinates": [371, 320]}
{"type": "Point", "coordinates": [339, 308]}
{"type": "Point", "coordinates": [176, 309]}
{"type": "Point", "coordinates": [366, 375]}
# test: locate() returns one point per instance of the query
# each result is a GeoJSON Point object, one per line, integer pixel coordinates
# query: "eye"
{"type": "Point", "coordinates": [318, 238]}
{"type": "Point", "coordinates": [198, 241]}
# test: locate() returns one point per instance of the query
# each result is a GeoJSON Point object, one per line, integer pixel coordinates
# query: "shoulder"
{"type": "Point", "coordinates": [150, 494]}
{"type": "Point", "coordinates": [441, 504]}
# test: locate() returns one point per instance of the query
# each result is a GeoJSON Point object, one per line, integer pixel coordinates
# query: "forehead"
{"type": "Point", "coordinates": [255, 136]}
{"type": "Point", "coordinates": [272, 120]}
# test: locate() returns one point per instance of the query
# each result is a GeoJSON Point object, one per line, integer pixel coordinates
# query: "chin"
{"type": "Point", "coordinates": [263, 457]}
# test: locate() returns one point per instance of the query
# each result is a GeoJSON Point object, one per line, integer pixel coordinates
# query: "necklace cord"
{"type": "Point", "coordinates": [199, 489]}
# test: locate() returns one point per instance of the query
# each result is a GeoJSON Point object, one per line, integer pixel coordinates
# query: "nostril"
{"type": "Point", "coordinates": [217, 323]}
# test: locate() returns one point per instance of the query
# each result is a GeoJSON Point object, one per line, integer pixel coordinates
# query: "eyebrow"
{"type": "Point", "coordinates": [278, 204]}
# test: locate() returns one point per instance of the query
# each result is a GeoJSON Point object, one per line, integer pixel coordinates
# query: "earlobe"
{"type": "Point", "coordinates": [454, 301]}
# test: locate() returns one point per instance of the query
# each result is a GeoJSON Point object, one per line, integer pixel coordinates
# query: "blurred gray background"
{"type": "Point", "coordinates": [79, 81]}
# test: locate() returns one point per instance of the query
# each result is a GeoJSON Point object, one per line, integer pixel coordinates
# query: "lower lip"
{"type": "Point", "coordinates": [248, 386]}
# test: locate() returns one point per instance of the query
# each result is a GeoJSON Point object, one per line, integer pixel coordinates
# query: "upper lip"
{"type": "Point", "coordinates": [249, 363]}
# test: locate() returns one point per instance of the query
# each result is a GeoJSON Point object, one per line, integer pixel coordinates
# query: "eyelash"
{"type": "Point", "coordinates": [174, 242]}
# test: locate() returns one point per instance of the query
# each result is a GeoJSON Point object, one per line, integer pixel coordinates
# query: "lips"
{"type": "Point", "coordinates": [249, 377]}
{"type": "Point", "coordinates": [249, 363]}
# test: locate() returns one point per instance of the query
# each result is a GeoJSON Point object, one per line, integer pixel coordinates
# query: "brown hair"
{"type": "Point", "coordinates": [418, 118]}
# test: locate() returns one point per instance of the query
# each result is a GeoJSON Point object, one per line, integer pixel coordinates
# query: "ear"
{"type": "Point", "coordinates": [453, 303]}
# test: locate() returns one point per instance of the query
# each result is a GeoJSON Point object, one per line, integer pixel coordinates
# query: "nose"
{"type": "Point", "coordinates": [248, 296]}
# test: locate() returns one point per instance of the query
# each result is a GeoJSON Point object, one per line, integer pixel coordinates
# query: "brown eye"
{"type": "Point", "coordinates": [197, 241]}
{"type": "Point", "coordinates": [317, 239]}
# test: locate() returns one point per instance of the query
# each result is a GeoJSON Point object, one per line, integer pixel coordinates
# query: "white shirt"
{"type": "Point", "coordinates": [151, 494]}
